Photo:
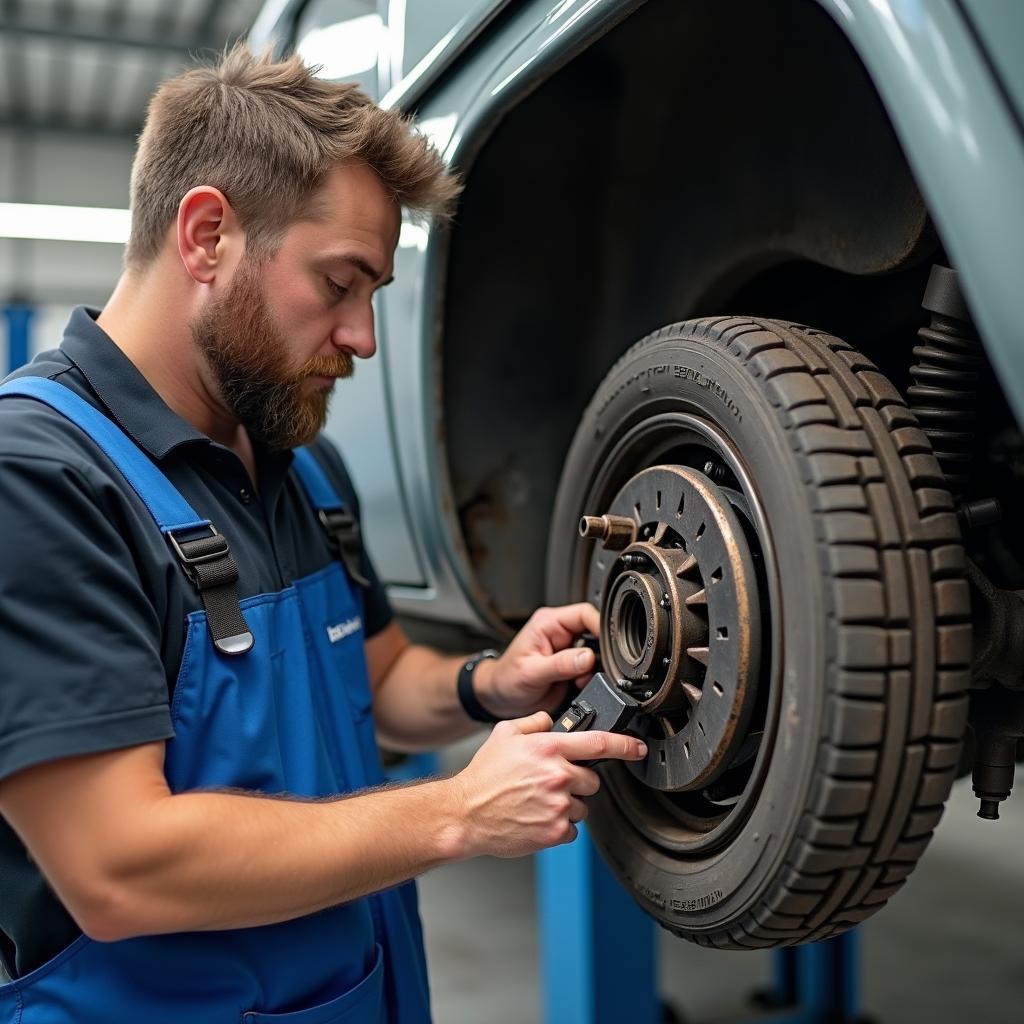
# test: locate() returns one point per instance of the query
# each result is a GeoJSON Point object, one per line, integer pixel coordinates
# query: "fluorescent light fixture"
{"type": "Point", "coordinates": [64, 223]}
{"type": "Point", "coordinates": [344, 49]}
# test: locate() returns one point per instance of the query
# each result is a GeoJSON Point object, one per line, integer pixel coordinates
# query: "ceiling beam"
{"type": "Point", "coordinates": [17, 123]}
{"type": "Point", "coordinates": [105, 74]}
{"type": "Point", "coordinates": [59, 76]}
{"type": "Point", "coordinates": [207, 23]}
{"type": "Point", "coordinates": [14, 28]}
{"type": "Point", "coordinates": [14, 69]}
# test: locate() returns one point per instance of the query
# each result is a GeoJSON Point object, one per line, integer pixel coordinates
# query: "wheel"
{"type": "Point", "coordinates": [782, 589]}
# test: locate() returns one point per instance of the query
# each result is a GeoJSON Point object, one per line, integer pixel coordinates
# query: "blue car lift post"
{"type": "Point", "coordinates": [19, 326]}
{"type": "Point", "coordinates": [592, 936]}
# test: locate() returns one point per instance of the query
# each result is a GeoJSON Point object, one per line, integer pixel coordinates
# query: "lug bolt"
{"type": "Point", "coordinates": [615, 532]}
{"type": "Point", "coordinates": [714, 470]}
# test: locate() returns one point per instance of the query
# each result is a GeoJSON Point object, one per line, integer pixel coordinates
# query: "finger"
{"type": "Point", "coordinates": [571, 832]}
{"type": "Point", "coordinates": [579, 618]}
{"type": "Point", "coordinates": [567, 664]}
{"type": "Point", "coordinates": [577, 811]}
{"type": "Point", "coordinates": [583, 781]}
{"type": "Point", "coordinates": [582, 680]}
{"type": "Point", "coordinates": [588, 746]}
{"type": "Point", "coordinates": [539, 721]}
{"type": "Point", "coordinates": [563, 624]}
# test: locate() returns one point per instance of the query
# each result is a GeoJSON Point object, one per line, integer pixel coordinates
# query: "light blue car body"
{"type": "Point", "coordinates": [951, 76]}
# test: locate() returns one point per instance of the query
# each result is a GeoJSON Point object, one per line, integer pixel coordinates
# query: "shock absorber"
{"type": "Point", "coordinates": [944, 394]}
{"type": "Point", "coordinates": [944, 398]}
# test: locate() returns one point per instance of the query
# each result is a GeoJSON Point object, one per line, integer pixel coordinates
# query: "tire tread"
{"type": "Point", "coordinates": [900, 640]}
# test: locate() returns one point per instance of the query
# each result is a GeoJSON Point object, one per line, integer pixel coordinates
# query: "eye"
{"type": "Point", "coordinates": [336, 289]}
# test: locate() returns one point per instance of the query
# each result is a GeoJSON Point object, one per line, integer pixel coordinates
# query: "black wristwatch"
{"type": "Point", "coordinates": [467, 695]}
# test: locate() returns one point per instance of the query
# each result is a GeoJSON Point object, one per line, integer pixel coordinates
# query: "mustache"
{"type": "Point", "coordinates": [338, 365]}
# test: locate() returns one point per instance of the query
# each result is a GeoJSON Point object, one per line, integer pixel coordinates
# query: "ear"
{"type": "Point", "coordinates": [208, 231]}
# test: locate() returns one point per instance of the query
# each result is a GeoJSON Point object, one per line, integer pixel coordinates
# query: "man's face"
{"type": "Point", "coordinates": [288, 326]}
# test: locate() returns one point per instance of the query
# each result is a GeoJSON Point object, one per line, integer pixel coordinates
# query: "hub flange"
{"type": "Point", "coordinates": [680, 621]}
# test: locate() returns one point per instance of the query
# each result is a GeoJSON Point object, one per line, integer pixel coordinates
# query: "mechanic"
{"type": "Point", "coordinates": [197, 652]}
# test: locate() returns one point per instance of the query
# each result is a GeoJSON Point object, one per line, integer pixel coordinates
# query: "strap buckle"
{"type": "Point", "coordinates": [209, 554]}
{"type": "Point", "coordinates": [210, 567]}
{"type": "Point", "coordinates": [343, 534]}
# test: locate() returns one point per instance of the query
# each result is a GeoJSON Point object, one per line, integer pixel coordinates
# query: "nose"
{"type": "Point", "coordinates": [355, 333]}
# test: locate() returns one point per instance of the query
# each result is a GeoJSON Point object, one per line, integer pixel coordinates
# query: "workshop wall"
{"type": "Point", "coordinates": [67, 170]}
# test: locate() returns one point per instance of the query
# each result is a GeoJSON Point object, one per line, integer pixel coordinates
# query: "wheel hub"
{"type": "Point", "coordinates": [680, 621]}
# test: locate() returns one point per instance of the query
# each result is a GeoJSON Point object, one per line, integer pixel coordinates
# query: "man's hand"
{"type": "Point", "coordinates": [531, 674]}
{"type": "Point", "coordinates": [522, 793]}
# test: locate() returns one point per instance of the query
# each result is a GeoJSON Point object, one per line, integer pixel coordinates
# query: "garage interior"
{"type": "Point", "coordinates": [602, 259]}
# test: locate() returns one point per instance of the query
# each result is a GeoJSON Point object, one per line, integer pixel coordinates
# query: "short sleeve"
{"type": "Point", "coordinates": [79, 638]}
{"type": "Point", "coordinates": [377, 610]}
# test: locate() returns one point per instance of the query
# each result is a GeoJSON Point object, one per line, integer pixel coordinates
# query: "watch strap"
{"type": "Point", "coordinates": [467, 695]}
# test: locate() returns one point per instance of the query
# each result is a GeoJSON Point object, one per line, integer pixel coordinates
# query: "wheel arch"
{"type": "Point", "coordinates": [662, 173]}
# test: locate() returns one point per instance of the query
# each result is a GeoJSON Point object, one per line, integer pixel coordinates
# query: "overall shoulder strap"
{"type": "Point", "coordinates": [341, 526]}
{"type": "Point", "coordinates": [206, 560]}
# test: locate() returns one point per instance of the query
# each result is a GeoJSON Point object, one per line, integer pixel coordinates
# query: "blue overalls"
{"type": "Point", "coordinates": [275, 699]}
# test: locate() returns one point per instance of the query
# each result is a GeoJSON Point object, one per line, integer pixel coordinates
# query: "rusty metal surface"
{"type": "Point", "coordinates": [680, 622]}
{"type": "Point", "coordinates": [703, 819]}
{"type": "Point", "coordinates": [614, 532]}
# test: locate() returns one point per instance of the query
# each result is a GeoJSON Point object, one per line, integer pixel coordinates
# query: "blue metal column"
{"type": "Point", "coordinates": [599, 956]}
{"type": "Point", "coordinates": [598, 950]}
{"type": "Point", "coordinates": [815, 984]}
{"type": "Point", "coordinates": [826, 978]}
{"type": "Point", "coordinates": [19, 327]}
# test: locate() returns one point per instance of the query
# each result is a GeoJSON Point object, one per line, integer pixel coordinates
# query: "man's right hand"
{"type": "Point", "coordinates": [522, 792]}
{"type": "Point", "coordinates": [145, 861]}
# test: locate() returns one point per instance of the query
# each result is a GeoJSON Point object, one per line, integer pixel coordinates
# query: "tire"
{"type": "Point", "coordinates": [866, 619]}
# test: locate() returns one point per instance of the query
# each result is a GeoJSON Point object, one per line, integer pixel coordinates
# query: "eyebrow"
{"type": "Point", "coordinates": [366, 267]}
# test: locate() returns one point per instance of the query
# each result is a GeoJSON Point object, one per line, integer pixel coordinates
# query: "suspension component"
{"type": "Point", "coordinates": [997, 718]}
{"type": "Point", "coordinates": [976, 514]}
{"type": "Point", "coordinates": [998, 642]}
{"type": "Point", "coordinates": [943, 396]}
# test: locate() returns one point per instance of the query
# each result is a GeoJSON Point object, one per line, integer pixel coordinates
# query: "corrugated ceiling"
{"type": "Point", "coordinates": [91, 65]}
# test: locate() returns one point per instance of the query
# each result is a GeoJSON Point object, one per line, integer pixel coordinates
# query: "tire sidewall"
{"type": "Point", "coordinates": [679, 372]}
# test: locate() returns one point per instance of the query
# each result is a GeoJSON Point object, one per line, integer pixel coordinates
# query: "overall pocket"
{"type": "Point", "coordinates": [363, 1004]}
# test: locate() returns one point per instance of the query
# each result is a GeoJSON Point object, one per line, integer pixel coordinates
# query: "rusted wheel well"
{"type": "Point", "coordinates": [701, 158]}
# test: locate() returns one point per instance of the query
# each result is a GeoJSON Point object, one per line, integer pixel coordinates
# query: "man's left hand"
{"type": "Point", "coordinates": [531, 675]}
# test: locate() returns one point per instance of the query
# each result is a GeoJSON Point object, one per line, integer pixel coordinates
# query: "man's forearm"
{"type": "Point", "coordinates": [416, 706]}
{"type": "Point", "coordinates": [222, 860]}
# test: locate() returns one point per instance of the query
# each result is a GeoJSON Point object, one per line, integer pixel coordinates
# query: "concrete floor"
{"type": "Point", "coordinates": [948, 949]}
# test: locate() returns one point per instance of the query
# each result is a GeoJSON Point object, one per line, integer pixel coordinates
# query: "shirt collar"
{"type": "Point", "coordinates": [139, 411]}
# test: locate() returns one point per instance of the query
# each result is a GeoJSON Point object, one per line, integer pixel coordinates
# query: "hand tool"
{"type": "Point", "coordinates": [601, 706]}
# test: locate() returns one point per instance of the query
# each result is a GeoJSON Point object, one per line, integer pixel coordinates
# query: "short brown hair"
{"type": "Point", "coordinates": [266, 133]}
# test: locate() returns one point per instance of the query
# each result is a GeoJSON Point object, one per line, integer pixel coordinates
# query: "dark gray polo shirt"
{"type": "Point", "coordinates": [93, 602]}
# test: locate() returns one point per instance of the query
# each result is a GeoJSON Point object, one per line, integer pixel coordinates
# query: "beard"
{"type": "Point", "coordinates": [247, 355]}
